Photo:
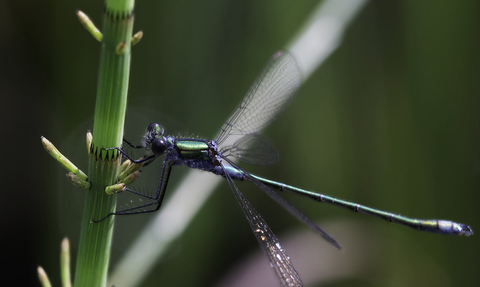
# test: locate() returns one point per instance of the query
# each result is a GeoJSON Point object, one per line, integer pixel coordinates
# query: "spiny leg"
{"type": "Point", "coordinates": [157, 199]}
{"type": "Point", "coordinates": [125, 155]}
{"type": "Point", "coordinates": [132, 145]}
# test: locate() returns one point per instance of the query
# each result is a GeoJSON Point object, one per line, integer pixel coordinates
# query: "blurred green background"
{"type": "Point", "coordinates": [391, 120]}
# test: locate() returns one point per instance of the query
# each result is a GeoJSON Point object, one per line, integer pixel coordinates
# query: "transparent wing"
{"type": "Point", "coordinates": [285, 204]}
{"type": "Point", "coordinates": [254, 149]}
{"type": "Point", "coordinates": [279, 260]}
{"type": "Point", "coordinates": [266, 98]}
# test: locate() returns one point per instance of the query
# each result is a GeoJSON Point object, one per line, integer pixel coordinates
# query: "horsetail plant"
{"type": "Point", "coordinates": [103, 170]}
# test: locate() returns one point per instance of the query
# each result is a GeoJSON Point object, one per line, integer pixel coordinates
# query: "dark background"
{"type": "Point", "coordinates": [391, 120]}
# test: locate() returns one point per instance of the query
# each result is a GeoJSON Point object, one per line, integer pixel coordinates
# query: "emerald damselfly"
{"type": "Point", "coordinates": [266, 99]}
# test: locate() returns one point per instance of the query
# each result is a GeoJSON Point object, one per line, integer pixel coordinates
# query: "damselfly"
{"type": "Point", "coordinates": [266, 98]}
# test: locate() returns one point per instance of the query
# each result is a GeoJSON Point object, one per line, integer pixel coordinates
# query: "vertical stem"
{"type": "Point", "coordinates": [95, 239]}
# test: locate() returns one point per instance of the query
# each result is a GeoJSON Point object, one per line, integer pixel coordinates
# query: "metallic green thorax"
{"type": "Point", "coordinates": [189, 149]}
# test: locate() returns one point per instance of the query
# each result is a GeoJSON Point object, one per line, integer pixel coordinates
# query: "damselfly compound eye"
{"type": "Point", "coordinates": [156, 129]}
{"type": "Point", "coordinates": [159, 146]}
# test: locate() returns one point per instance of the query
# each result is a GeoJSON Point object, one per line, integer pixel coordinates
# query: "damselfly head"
{"type": "Point", "coordinates": [155, 140]}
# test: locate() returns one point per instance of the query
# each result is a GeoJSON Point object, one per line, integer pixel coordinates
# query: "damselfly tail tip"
{"type": "Point", "coordinates": [465, 230]}
{"type": "Point", "coordinates": [454, 228]}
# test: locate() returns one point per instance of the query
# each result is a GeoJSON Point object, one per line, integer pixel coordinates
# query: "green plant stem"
{"type": "Point", "coordinates": [95, 239]}
{"type": "Point", "coordinates": [65, 263]}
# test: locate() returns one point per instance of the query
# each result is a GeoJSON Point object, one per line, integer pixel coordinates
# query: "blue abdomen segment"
{"type": "Point", "coordinates": [233, 172]}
